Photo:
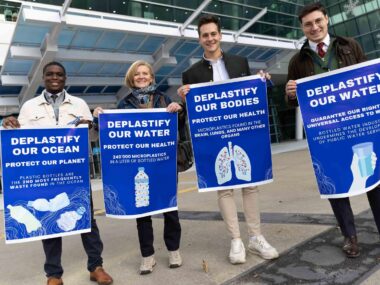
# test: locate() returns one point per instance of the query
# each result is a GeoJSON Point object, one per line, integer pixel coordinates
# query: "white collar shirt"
{"type": "Point", "coordinates": [326, 42]}
{"type": "Point", "coordinates": [219, 71]}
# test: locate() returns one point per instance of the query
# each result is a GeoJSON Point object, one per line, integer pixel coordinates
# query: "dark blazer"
{"type": "Point", "coordinates": [237, 66]}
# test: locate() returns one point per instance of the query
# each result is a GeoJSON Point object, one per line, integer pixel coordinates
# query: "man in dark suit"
{"type": "Point", "coordinates": [203, 70]}
{"type": "Point", "coordinates": [216, 66]}
{"type": "Point", "coordinates": [320, 53]}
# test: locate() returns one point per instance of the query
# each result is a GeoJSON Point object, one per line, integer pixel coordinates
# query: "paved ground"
{"type": "Point", "coordinates": [295, 220]}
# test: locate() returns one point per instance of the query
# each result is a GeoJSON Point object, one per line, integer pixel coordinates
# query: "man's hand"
{"type": "Point", "coordinates": [11, 123]}
{"type": "Point", "coordinates": [183, 90]}
{"type": "Point", "coordinates": [264, 75]}
{"type": "Point", "coordinates": [97, 111]}
{"type": "Point", "coordinates": [83, 121]}
{"type": "Point", "coordinates": [290, 89]}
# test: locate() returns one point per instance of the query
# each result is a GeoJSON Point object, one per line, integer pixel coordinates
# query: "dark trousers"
{"type": "Point", "coordinates": [172, 233]}
{"type": "Point", "coordinates": [92, 244]}
{"type": "Point", "coordinates": [345, 217]}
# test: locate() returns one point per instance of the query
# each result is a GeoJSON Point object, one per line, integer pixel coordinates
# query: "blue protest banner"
{"type": "Point", "coordinates": [341, 114]}
{"type": "Point", "coordinates": [229, 130]}
{"type": "Point", "coordinates": [139, 162]}
{"type": "Point", "coordinates": [46, 182]}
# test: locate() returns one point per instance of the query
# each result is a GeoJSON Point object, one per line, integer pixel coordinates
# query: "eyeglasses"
{"type": "Point", "coordinates": [310, 25]}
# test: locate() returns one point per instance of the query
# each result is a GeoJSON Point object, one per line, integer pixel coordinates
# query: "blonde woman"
{"type": "Point", "coordinates": [140, 78]}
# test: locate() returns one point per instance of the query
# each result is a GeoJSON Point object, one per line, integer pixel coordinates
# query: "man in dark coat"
{"type": "Point", "coordinates": [320, 53]}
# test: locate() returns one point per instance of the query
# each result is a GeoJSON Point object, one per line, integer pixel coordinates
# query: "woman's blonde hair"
{"type": "Point", "coordinates": [132, 71]}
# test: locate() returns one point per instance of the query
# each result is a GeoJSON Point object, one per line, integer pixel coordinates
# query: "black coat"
{"type": "Point", "coordinates": [236, 66]}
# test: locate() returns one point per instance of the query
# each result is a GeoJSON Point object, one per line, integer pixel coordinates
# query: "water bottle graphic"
{"type": "Point", "coordinates": [141, 188]}
{"type": "Point", "coordinates": [23, 216]}
{"type": "Point", "coordinates": [68, 220]}
{"type": "Point", "coordinates": [364, 152]}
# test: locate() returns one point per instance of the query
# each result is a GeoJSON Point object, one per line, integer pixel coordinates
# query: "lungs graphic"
{"type": "Point", "coordinates": [224, 160]}
{"type": "Point", "coordinates": [223, 166]}
{"type": "Point", "coordinates": [242, 164]}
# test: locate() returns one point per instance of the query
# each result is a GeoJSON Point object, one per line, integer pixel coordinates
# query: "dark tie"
{"type": "Point", "coordinates": [54, 97]}
{"type": "Point", "coordinates": [320, 50]}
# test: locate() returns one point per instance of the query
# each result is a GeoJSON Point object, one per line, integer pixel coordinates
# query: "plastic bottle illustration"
{"type": "Point", "coordinates": [57, 203]}
{"type": "Point", "coordinates": [42, 205]}
{"type": "Point", "coordinates": [141, 188]}
{"type": "Point", "coordinates": [68, 220]}
{"type": "Point", "coordinates": [23, 216]}
{"type": "Point", "coordinates": [223, 164]}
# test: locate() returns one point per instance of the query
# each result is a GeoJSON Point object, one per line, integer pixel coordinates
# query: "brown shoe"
{"type": "Point", "coordinates": [351, 247]}
{"type": "Point", "coordinates": [54, 281]}
{"type": "Point", "coordinates": [100, 276]}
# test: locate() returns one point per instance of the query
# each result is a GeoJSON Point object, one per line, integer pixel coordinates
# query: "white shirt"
{"type": "Point", "coordinates": [219, 71]}
{"type": "Point", "coordinates": [326, 42]}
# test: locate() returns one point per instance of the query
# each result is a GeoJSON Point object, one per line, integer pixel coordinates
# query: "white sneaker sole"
{"type": "Point", "coordinates": [264, 256]}
{"type": "Point", "coordinates": [175, 265]}
{"type": "Point", "coordinates": [237, 261]}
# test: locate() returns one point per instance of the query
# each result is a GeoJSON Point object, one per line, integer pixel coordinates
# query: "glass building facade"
{"type": "Point", "coordinates": [359, 19]}
{"type": "Point", "coordinates": [9, 10]}
{"type": "Point", "coordinates": [280, 20]}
